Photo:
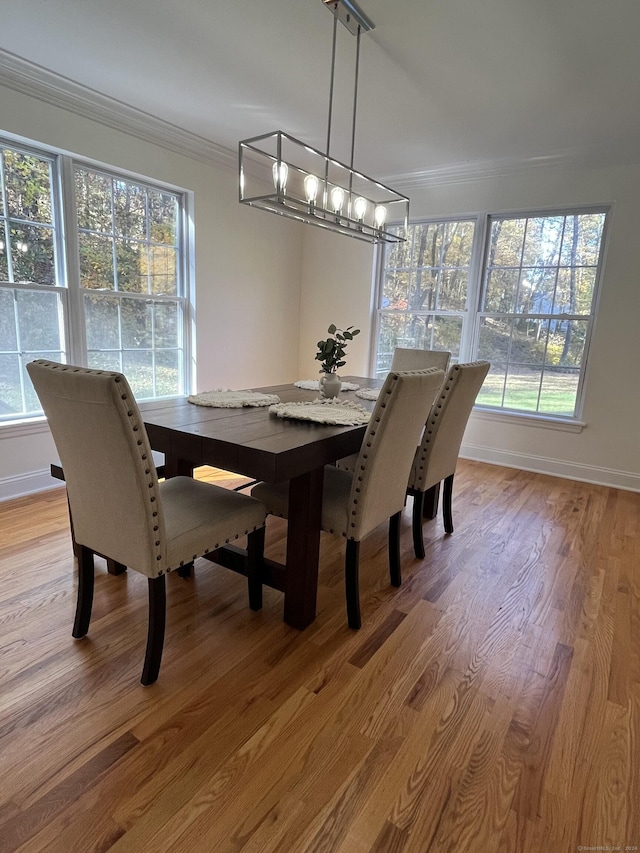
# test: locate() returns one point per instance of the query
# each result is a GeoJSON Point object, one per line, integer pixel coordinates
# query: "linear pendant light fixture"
{"type": "Point", "coordinates": [280, 174]}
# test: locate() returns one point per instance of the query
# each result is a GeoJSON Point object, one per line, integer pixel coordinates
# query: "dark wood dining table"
{"type": "Point", "coordinates": [254, 443]}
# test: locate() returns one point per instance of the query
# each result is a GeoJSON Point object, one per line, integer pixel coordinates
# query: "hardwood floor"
{"type": "Point", "coordinates": [492, 703]}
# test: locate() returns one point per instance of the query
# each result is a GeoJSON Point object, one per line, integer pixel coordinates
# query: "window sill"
{"type": "Point", "coordinates": [543, 421]}
{"type": "Point", "coordinates": [28, 426]}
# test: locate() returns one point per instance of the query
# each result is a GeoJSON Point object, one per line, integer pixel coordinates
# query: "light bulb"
{"type": "Point", "coordinates": [311, 188]}
{"type": "Point", "coordinates": [360, 207]}
{"type": "Point", "coordinates": [1, 245]}
{"type": "Point", "coordinates": [280, 170]}
{"type": "Point", "coordinates": [22, 247]}
{"type": "Point", "coordinates": [379, 215]}
{"type": "Point", "coordinates": [337, 199]}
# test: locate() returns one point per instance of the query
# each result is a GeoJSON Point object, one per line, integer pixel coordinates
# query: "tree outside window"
{"type": "Point", "coordinates": [128, 309]}
{"type": "Point", "coordinates": [525, 301]}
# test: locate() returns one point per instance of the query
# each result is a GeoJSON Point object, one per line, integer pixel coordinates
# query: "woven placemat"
{"type": "Point", "coordinates": [221, 398]}
{"type": "Point", "coordinates": [323, 411]}
{"type": "Point", "coordinates": [368, 393]}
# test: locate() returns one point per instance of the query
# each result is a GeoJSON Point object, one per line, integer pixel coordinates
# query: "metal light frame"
{"type": "Point", "coordinates": [281, 174]}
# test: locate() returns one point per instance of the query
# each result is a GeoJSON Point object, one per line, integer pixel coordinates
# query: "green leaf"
{"type": "Point", "coordinates": [331, 329]}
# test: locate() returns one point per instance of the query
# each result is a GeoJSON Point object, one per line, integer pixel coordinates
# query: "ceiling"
{"type": "Point", "coordinates": [446, 86]}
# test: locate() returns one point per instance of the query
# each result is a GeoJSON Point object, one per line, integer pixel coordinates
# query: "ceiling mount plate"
{"type": "Point", "coordinates": [350, 15]}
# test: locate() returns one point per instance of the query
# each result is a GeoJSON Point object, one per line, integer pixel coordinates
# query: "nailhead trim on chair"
{"type": "Point", "coordinates": [217, 545]}
{"type": "Point", "coordinates": [359, 478]}
{"type": "Point", "coordinates": [370, 440]}
{"type": "Point", "coordinates": [148, 470]}
{"type": "Point", "coordinates": [431, 423]}
{"type": "Point", "coordinates": [135, 427]}
{"type": "Point", "coordinates": [435, 411]}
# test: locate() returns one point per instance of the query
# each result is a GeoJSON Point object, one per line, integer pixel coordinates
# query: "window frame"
{"type": "Point", "coordinates": [379, 273]}
{"type": "Point", "coordinates": [67, 263]}
{"type": "Point", "coordinates": [470, 334]}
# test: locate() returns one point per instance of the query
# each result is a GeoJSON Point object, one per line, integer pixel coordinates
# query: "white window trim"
{"type": "Point", "coordinates": [469, 338]}
{"type": "Point", "coordinates": [68, 269]}
{"type": "Point", "coordinates": [529, 419]}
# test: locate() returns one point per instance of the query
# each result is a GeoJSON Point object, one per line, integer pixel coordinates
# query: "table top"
{"type": "Point", "coordinates": [251, 441]}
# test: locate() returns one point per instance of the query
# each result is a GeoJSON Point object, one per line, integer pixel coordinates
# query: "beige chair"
{"type": "Point", "coordinates": [355, 503]}
{"type": "Point", "coordinates": [437, 456]}
{"type": "Point", "coordinates": [118, 507]}
{"type": "Point", "coordinates": [420, 359]}
{"type": "Point", "coordinates": [406, 359]}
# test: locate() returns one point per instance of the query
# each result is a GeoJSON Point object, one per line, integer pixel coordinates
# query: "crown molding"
{"type": "Point", "coordinates": [37, 82]}
{"type": "Point", "coordinates": [47, 86]}
{"type": "Point", "coordinates": [480, 170]}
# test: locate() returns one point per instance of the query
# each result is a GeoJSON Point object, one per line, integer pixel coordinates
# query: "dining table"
{"type": "Point", "coordinates": [255, 443]}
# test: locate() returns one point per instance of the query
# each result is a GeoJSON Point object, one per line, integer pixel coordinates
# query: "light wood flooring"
{"type": "Point", "coordinates": [492, 703]}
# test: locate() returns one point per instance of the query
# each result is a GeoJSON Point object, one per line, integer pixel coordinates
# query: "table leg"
{"type": "Point", "coordinates": [303, 548]}
{"type": "Point", "coordinates": [176, 467]}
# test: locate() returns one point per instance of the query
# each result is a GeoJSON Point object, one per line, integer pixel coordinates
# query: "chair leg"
{"type": "Point", "coordinates": [115, 568]}
{"type": "Point", "coordinates": [395, 570]}
{"type": "Point", "coordinates": [255, 553]}
{"type": "Point", "coordinates": [416, 524]}
{"type": "Point", "coordinates": [185, 571]}
{"type": "Point", "coordinates": [446, 504]}
{"type": "Point", "coordinates": [85, 591]}
{"type": "Point", "coordinates": [155, 634]}
{"type": "Point", "coordinates": [352, 587]}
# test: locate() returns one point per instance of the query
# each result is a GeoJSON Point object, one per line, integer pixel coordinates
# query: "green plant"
{"type": "Point", "coordinates": [331, 351]}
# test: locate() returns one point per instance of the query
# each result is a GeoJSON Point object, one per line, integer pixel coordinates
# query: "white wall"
{"type": "Point", "coordinates": [247, 268]}
{"type": "Point", "coordinates": [267, 289]}
{"type": "Point", "coordinates": [337, 286]}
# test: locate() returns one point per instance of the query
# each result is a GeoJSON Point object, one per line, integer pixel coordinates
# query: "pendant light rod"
{"type": "Point", "coordinates": [355, 99]}
{"type": "Point", "coordinates": [333, 68]}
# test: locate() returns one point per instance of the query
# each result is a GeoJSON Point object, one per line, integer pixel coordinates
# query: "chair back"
{"type": "Point", "coordinates": [437, 456]}
{"type": "Point", "coordinates": [109, 471]}
{"type": "Point", "coordinates": [420, 359]}
{"type": "Point", "coordinates": [388, 448]}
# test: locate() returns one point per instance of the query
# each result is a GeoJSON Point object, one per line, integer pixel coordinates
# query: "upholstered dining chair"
{"type": "Point", "coordinates": [437, 456]}
{"type": "Point", "coordinates": [419, 359]}
{"type": "Point", "coordinates": [118, 507]}
{"type": "Point", "coordinates": [355, 503]}
{"type": "Point", "coordinates": [406, 359]}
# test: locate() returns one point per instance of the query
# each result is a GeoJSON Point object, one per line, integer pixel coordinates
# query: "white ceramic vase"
{"type": "Point", "coordinates": [330, 384]}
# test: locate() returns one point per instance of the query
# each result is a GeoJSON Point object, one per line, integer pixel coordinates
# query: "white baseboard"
{"type": "Point", "coordinates": [554, 467]}
{"type": "Point", "coordinates": [27, 484]}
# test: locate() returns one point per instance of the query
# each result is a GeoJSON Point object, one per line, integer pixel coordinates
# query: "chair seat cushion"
{"type": "Point", "coordinates": [201, 517]}
{"type": "Point", "coordinates": [335, 500]}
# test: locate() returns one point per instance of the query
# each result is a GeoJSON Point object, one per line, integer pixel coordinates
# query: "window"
{"type": "Point", "coordinates": [111, 295]}
{"type": "Point", "coordinates": [518, 291]}
{"type": "Point", "coordinates": [424, 293]}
